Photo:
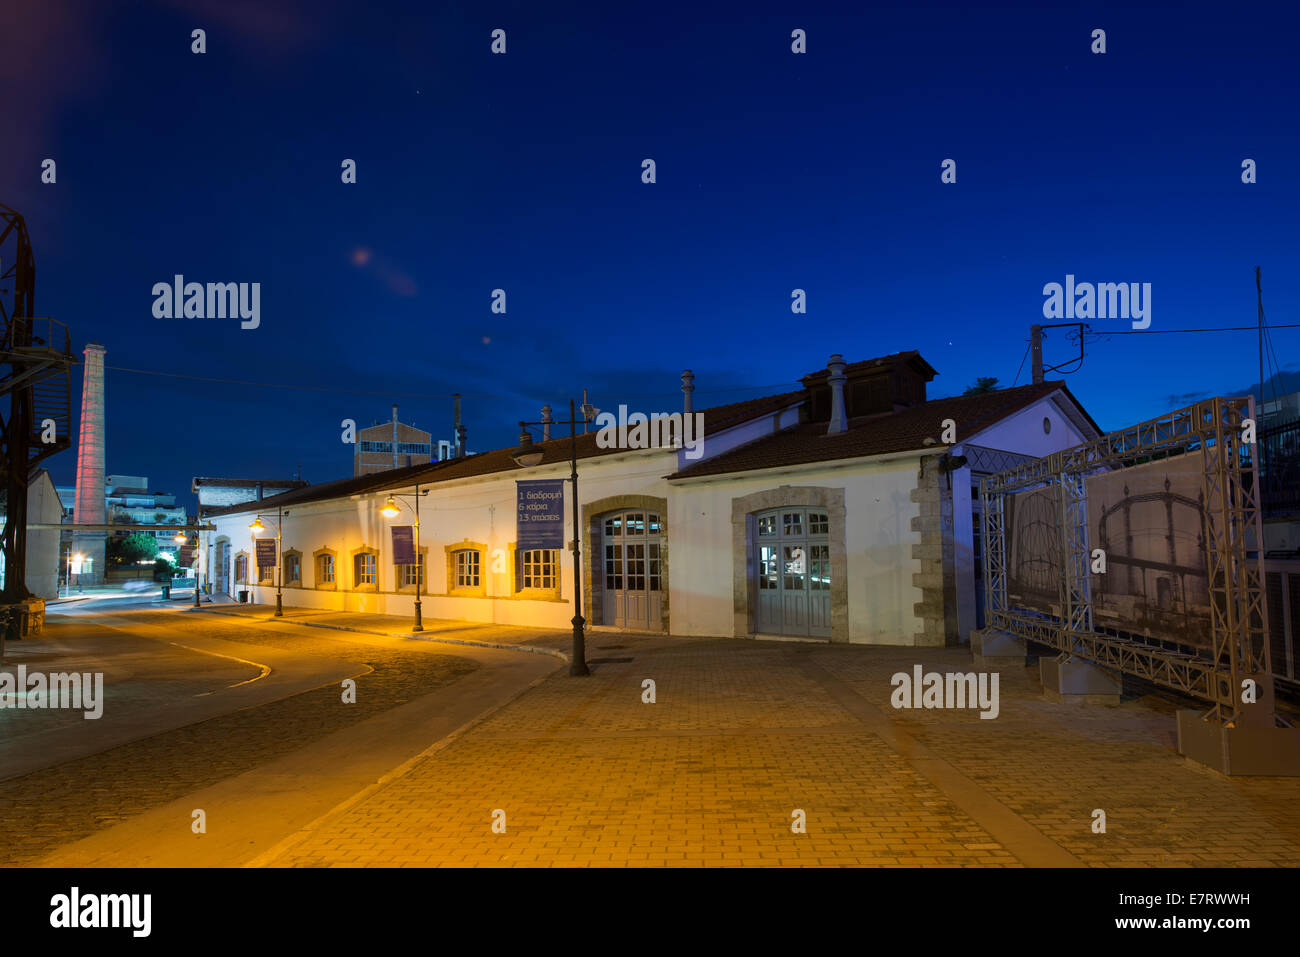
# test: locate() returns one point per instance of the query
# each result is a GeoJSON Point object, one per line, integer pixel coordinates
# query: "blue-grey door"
{"type": "Point", "coordinates": [793, 564]}
{"type": "Point", "coordinates": [632, 544]}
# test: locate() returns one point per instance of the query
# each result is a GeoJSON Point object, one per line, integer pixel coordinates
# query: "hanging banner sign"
{"type": "Point", "coordinates": [186, 556]}
{"type": "Point", "coordinates": [266, 553]}
{"type": "Point", "coordinates": [403, 545]}
{"type": "Point", "coordinates": [539, 519]}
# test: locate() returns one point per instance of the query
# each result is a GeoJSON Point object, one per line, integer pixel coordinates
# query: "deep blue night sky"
{"type": "Point", "coordinates": [523, 172]}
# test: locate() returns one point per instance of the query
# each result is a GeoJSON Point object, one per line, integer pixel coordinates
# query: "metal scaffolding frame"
{"type": "Point", "coordinates": [1215, 428]}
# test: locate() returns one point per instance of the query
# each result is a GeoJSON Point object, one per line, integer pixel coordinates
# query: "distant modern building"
{"type": "Point", "coordinates": [129, 502]}
{"type": "Point", "coordinates": [1284, 408]}
{"type": "Point", "coordinates": [396, 445]}
{"type": "Point", "coordinates": [68, 499]}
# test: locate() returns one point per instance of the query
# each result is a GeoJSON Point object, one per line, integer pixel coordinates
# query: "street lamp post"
{"type": "Point", "coordinates": [526, 456]}
{"type": "Point", "coordinates": [180, 539]}
{"type": "Point", "coordinates": [256, 527]}
{"type": "Point", "coordinates": [390, 510]}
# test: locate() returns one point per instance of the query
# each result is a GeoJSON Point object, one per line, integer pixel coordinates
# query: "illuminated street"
{"type": "Point", "coordinates": [740, 736]}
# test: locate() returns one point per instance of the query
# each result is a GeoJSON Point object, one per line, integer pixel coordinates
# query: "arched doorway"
{"type": "Point", "coordinates": [631, 550]}
{"type": "Point", "coordinates": [221, 566]}
{"type": "Point", "coordinates": [793, 569]}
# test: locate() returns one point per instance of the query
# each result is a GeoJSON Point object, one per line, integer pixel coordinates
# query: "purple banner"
{"type": "Point", "coordinates": [266, 553]}
{"type": "Point", "coordinates": [539, 520]}
{"type": "Point", "coordinates": [403, 545]}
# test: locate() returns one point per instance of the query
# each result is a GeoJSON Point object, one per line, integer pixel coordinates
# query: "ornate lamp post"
{"type": "Point", "coordinates": [256, 527]}
{"type": "Point", "coordinates": [526, 456]}
{"type": "Point", "coordinates": [391, 510]}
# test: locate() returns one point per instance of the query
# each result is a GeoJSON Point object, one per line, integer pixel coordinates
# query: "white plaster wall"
{"type": "Point", "coordinates": [44, 507]}
{"type": "Point", "coordinates": [878, 546]}
{"type": "Point", "coordinates": [742, 434]}
{"type": "Point", "coordinates": [479, 509]}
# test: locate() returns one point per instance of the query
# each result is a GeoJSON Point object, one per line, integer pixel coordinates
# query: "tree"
{"type": "Point", "coordinates": [137, 546]}
{"type": "Point", "coordinates": [984, 383]}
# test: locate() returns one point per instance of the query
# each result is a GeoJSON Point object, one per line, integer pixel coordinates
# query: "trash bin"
{"type": "Point", "coordinates": [243, 596]}
{"type": "Point", "coordinates": [167, 592]}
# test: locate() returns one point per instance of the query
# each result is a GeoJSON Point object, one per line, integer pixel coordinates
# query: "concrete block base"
{"type": "Point", "coordinates": [1075, 681]}
{"type": "Point", "coordinates": [1263, 751]}
{"type": "Point", "coordinates": [994, 650]}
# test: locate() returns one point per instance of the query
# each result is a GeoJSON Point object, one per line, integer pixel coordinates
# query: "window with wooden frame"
{"type": "Point", "coordinates": [325, 561]}
{"type": "Point", "coordinates": [466, 568]}
{"type": "Point", "coordinates": [365, 570]}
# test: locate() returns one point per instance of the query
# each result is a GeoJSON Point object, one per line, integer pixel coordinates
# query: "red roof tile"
{"type": "Point", "coordinates": [870, 435]}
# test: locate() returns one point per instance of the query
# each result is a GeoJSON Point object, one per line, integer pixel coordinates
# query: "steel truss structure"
{"type": "Point", "coordinates": [36, 376]}
{"type": "Point", "coordinates": [1221, 430]}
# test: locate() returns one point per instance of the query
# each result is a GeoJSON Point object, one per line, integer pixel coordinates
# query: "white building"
{"type": "Point", "coordinates": [832, 512]}
{"type": "Point", "coordinates": [43, 507]}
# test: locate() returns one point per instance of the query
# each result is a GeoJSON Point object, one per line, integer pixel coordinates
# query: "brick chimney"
{"type": "Point", "coordinates": [837, 378]}
{"type": "Point", "coordinates": [688, 386]}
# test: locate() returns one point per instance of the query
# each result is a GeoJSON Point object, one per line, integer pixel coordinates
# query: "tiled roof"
{"type": "Point", "coordinates": [716, 419]}
{"type": "Point", "coordinates": [245, 483]}
{"type": "Point", "coordinates": [911, 357]}
{"type": "Point", "coordinates": [871, 435]}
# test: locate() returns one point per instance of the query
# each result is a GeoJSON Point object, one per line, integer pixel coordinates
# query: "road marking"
{"type": "Point", "coordinates": [266, 669]}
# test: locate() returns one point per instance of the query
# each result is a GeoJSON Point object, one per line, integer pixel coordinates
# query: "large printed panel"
{"type": "Point", "coordinates": [1153, 524]}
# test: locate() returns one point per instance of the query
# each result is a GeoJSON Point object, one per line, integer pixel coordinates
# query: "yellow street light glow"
{"type": "Point", "coordinates": [179, 538]}
{"type": "Point", "coordinates": [257, 525]}
{"type": "Point", "coordinates": [390, 509]}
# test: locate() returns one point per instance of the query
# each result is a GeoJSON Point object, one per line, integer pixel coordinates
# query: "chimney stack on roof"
{"type": "Point", "coordinates": [546, 423]}
{"type": "Point", "coordinates": [837, 378]}
{"type": "Point", "coordinates": [688, 386]}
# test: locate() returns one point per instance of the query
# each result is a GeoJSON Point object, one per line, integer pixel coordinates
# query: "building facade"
{"type": "Point", "coordinates": [43, 553]}
{"type": "Point", "coordinates": [841, 511]}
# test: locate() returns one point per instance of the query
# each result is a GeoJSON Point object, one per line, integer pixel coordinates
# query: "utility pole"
{"type": "Point", "coordinates": [1036, 345]}
{"type": "Point", "coordinates": [1259, 298]}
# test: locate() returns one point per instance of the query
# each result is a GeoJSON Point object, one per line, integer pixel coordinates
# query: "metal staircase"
{"type": "Point", "coordinates": [36, 378]}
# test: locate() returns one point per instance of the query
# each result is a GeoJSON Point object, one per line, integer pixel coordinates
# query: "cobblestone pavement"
{"type": "Point", "coordinates": [47, 809]}
{"type": "Point", "coordinates": [744, 734]}
{"type": "Point", "coordinates": [435, 629]}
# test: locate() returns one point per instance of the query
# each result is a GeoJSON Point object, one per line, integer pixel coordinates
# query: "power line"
{"type": "Point", "coordinates": [1167, 332]}
{"type": "Point", "coordinates": [1022, 367]}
